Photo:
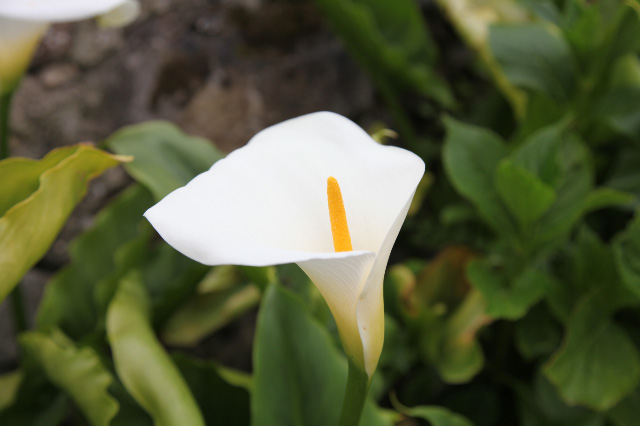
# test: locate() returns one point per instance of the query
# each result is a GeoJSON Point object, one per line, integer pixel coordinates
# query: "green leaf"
{"type": "Point", "coordinates": [539, 153]}
{"type": "Point", "coordinates": [534, 58]}
{"type": "Point", "coordinates": [538, 334]}
{"type": "Point", "coordinates": [437, 416]}
{"type": "Point", "coordinates": [603, 197]}
{"type": "Point", "coordinates": [471, 156]}
{"type": "Point", "coordinates": [626, 248]}
{"type": "Point", "coordinates": [391, 42]}
{"type": "Point", "coordinates": [220, 402]}
{"type": "Point", "coordinates": [142, 364]}
{"type": "Point", "coordinates": [69, 299]}
{"type": "Point", "coordinates": [203, 314]}
{"type": "Point", "coordinates": [77, 371]}
{"type": "Point", "coordinates": [35, 212]}
{"type": "Point", "coordinates": [588, 265]}
{"type": "Point", "coordinates": [618, 110]}
{"type": "Point", "coordinates": [624, 31]}
{"type": "Point", "coordinates": [299, 375]}
{"type": "Point", "coordinates": [571, 194]}
{"type": "Point", "coordinates": [598, 364]}
{"type": "Point", "coordinates": [165, 157]}
{"type": "Point", "coordinates": [526, 196]}
{"type": "Point", "coordinates": [505, 299]}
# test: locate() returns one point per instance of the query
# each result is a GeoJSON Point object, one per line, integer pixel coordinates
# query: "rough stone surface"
{"type": "Point", "coordinates": [220, 69]}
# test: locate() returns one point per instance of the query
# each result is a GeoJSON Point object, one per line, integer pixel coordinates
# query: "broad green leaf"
{"type": "Point", "coordinates": [471, 156]}
{"type": "Point", "coordinates": [436, 416]}
{"type": "Point", "coordinates": [598, 364]}
{"type": "Point", "coordinates": [505, 299]}
{"type": "Point", "coordinates": [623, 34]}
{"type": "Point", "coordinates": [24, 175]}
{"type": "Point", "coordinates": [205, 313]}
{"type": "Point", "coordinates": [583, 26]}
{"type": "Point", "coordinates": [165, 157]}
{"type": "Point", "coordinates": [618, 110]}
{"type": "Point", "coordinates": [526, 196]}
{"type": "Point", "coordinates": [627, 255]}
{"type": "Point", "coordinates": [77, 371]}
{"type": "Point", "coordinates": [538, 334]}
{"type": "Point", "coordinates": [534, 58]}
{"type": "Point", "coordinates": [141, 362]}
{"type": "Point", "coordinates": [571, 194]}
{"type": "Point", "coordinates": [542, 406]}
{"type": "Point", "coordinates": [38, 212]}
{"type": "Point", "coordinates": [391, 42]}
{"type": "Point", "coordinates": [299, 375]}
{"type": "Point", "coordinates": [69, 299]}
{"type": "Point", "coordinates": [585, 266]}
{"type": "Point", "coordinates": [221, 403]}
{"type": "Point", "coordinates": [595, 269]}
{"type": "Point", "coordinates": [539, 153]}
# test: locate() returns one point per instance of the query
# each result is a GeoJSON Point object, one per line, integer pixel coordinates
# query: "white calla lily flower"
{"type": "Point", "coordinates": [316, 190]}
{"type": "Point", "coordinates": [23, 22]}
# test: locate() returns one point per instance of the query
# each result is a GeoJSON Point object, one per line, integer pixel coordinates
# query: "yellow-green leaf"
{"type": "Point", "coordinates": [77, 371]}
{"type": "Point", "coordinates": [36, 201]}
{"type": "Point", "coordinates": [141, 362]}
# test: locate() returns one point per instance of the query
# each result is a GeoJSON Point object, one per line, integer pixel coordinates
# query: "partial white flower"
{"type": "Point", "coordinates": [18, 40]}
{"type": "Point", "coordinates": [23, 22]}
{"type": "Point", "coordinates": [268, 203]}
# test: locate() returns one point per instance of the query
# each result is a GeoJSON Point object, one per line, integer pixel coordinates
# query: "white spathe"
{"type": "Point", "coordinates": [23, 22]}
{"type": "Point", "coordinates": [266, 204]}
{"type": "Point", "coordinates": [18, 40]}
{"type": "Point", "coordinates": [57, 10]}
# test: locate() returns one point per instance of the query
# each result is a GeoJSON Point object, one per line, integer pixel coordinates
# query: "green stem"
{"type": "Point", "coordinates": [355, 396]}
{"type": "Point", "coordinates": [5, 110]}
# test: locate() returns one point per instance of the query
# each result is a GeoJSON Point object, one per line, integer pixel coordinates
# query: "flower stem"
{"type": "Point", "coordinates": [5, 110]}
{"type": "Point", "coordinates": [355, 396]}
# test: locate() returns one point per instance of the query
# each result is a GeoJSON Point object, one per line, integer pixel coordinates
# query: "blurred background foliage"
{"type": "Point", "coordinates": [512, 295]}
